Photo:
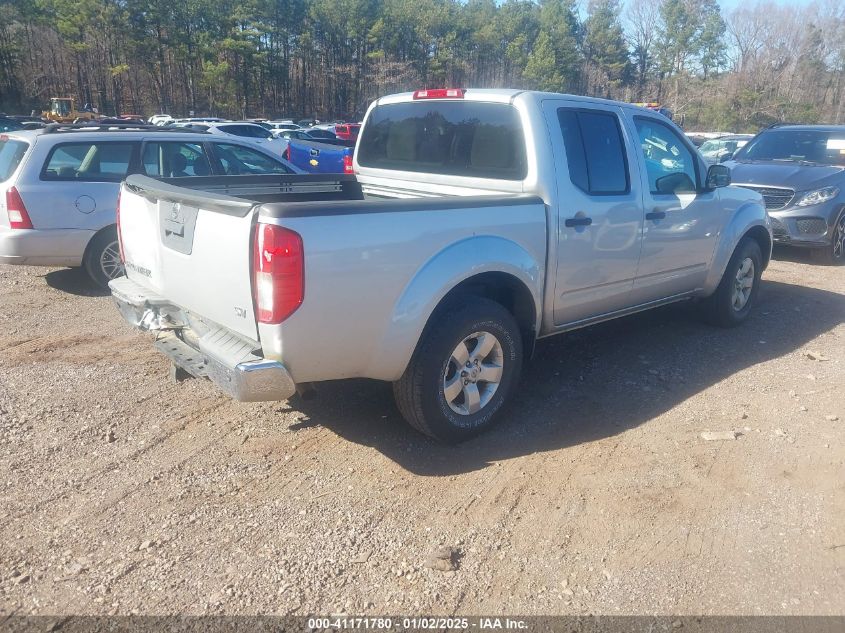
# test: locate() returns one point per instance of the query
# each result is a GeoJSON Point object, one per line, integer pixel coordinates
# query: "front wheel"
{"type": "Point", "coordinates": [731, 304]}
{"type": "Point", "coordinates": [462, 372]}
{"type": "Point", "coordinates": [102, 258]}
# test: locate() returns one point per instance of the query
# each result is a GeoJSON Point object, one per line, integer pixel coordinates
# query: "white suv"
{"type": "Point", "coordinates": [59, 186]}
{"type": "Point", "coordinates": [244, 130]}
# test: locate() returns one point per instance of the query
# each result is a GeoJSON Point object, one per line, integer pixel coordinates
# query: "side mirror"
{"type": "Point", "coordinates": [717, 176]}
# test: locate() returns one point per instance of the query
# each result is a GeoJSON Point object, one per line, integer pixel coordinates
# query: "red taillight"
{"type": "Point", "coordinates": [286, 153]}
{"type": "Point", "coordinates": [16, 210]}
{"type": "Point", "coordinates": [347, 165]}
{"type": "Point", "coordinates": [440, 93]}
{"type": "Point", "coordinates": [119, 232]}
{"type": "Point", "coordinates": [279, 273]}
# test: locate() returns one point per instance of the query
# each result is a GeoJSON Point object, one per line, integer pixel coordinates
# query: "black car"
{"type": "Point", "coordinates": [800, 172]}
{"type": "Point", "coordinates": [10, 125]}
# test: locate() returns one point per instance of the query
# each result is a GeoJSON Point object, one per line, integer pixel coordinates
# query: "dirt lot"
{"type": "Point", "coordinates": [125, 493]}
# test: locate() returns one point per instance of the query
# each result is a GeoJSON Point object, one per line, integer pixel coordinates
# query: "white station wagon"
{"type": "Point", "coordinates": [59, 186]}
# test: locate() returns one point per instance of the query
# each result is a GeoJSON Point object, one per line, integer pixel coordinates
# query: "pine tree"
{"type": "Point", "coordinates": [605, 49]}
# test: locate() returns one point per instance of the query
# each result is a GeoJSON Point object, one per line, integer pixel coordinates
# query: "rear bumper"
{"type": "Point", "coordinates": [51, 247]}
{"type": "Point", "coordinates": [214, 353]}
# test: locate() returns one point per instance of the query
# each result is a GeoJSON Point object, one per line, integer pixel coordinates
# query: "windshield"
{"type": "Point", "coordinates": [721, 146]}
{"type": "Point", "coordinates": [11, 154]}
{"type": "Point", "coordinates": [61, 107]}
{"type": "Point", "coordinates": [826, 147]}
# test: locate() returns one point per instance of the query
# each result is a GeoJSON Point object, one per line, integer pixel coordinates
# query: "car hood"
{"type": "Point", "coordinates": [780, 174]}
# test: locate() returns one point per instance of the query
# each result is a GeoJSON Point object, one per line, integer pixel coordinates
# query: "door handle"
{"type": "Point", "coordinates": [570, 222]}
{"type": "Point", "coordinates": [655, 215]}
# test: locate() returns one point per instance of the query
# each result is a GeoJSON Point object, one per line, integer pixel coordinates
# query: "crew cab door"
{"type": "Point", "coordinates": [682, 221]}
{"type": "Point", "coordinates": [599, 211]}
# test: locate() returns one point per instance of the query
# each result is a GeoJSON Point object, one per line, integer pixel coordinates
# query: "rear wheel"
{"type": "Point", "coordinates": [833, 255]}
{"type": "Point", "coordinates": [462, 372]}
{"type": "Point", "coordinates": [731, 304]}
{"type": "Point", "coordinates": [102, 258]}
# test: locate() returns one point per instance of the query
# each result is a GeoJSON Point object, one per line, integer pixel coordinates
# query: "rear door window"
{"type": "Point", "coordinates": [175, 160]}
{"type": "Point", "coordinates": [89, 161]}
{"type": "Point", "coordinates": [456, 138]}
{"type": "Point", "coordinates": [237, 160]}
{"type": "Point", "coordinates": [595, 151]}
{"type": "Point", "coordinates": [11, 155]}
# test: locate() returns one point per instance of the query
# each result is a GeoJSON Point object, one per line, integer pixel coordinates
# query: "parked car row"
{"type": "Point", "coordinates": [61, 185]}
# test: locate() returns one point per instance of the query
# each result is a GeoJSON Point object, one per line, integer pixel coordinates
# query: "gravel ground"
{"type": "Point", "coordinates": [125, 493]}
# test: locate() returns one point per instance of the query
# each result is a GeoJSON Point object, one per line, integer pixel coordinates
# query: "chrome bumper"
{"type": "Point", "coordinates": [218, 355]}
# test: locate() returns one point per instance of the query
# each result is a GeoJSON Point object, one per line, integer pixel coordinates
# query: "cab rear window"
{"type": "Point", "coordinates": [455, 138]}
{"type": "Point", "coordinates": [11, 155]}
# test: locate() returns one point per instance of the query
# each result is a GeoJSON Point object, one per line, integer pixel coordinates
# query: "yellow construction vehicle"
{"type": "Point", "coordinates": [62, 110]}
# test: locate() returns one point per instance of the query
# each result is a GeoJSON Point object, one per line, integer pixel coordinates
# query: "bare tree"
{"type": "Point", "coordinates": [642, 19]}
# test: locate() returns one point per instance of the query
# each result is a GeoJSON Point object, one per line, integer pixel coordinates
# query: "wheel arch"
{"type": "Point", "coordinates": [509, 275]}
{"type": "Point", "coordinates": [751, 220]}
{"type": "Point", "coordinates": [94, 236]}
{"type": "Point", "coordinates": [764, 239]}
{"type": "Point", "coordinates": [504, 289]}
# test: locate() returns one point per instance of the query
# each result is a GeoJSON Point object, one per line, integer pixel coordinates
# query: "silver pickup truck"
{"type": "Point", "coordinates": [478, 222]}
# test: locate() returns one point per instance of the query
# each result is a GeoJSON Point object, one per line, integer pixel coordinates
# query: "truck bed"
{"type": "Point", "coordinates": [373, 268]}
{"type": "Point", "coordinates": [262, 188]}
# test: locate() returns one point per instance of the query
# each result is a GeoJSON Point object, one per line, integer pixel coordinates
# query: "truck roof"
{"type": "Point", "coordinates": [808, 127]}
{"type": "Point", "coordinates": [507, 95]}
{"type": "Point", "coordinates": [103, 133]}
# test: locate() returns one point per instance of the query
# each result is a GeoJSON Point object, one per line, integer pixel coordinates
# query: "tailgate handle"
{"type": "Point", "coordinates": [315, 152]}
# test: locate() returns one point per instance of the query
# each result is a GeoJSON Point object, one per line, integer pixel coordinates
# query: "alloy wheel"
{"type": "Point", "coordinates": [743, 284]}
{"type": "Point", "coordinates": [473, 373]}
{"type": "Point", "coordinates": [110, 262]}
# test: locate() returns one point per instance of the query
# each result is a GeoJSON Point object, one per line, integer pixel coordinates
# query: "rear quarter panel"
{"type": "Point", "coordinates": [373, 279]}
{"type": "Point", "coordinates": [63, 204]}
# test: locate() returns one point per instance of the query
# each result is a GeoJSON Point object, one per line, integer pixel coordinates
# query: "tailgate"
{"type": "Point", "coordinates": [191, 248]}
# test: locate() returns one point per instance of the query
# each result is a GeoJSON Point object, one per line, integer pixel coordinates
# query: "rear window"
{"type": "Point", "coordinates": [11, 155]}
{"type": "Point", "coordinates": [455, 138]}
{"type": "Point", "coordinates": [246, 131]}
{"type": "Point", "coordinates": [238, 160]}
{"type": "Point", "coordinates": [96, 162]}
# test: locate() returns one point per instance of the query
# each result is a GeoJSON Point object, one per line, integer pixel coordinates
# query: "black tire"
{"type": "Point", "coordinates": [834, 253]}
{"type": "Point", "coordinates": [720, 307]}
{"type": "Point", "coordinates": [98, 261]}
{"type": "Point", "coordinates": [419, 392]}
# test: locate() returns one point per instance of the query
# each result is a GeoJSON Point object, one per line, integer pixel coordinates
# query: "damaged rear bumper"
{"type": "Point", "coordinates": [202, 349]}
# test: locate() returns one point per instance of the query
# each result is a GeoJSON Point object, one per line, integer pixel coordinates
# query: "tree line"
{"type": "Point", "coordinates": [755, 65]}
